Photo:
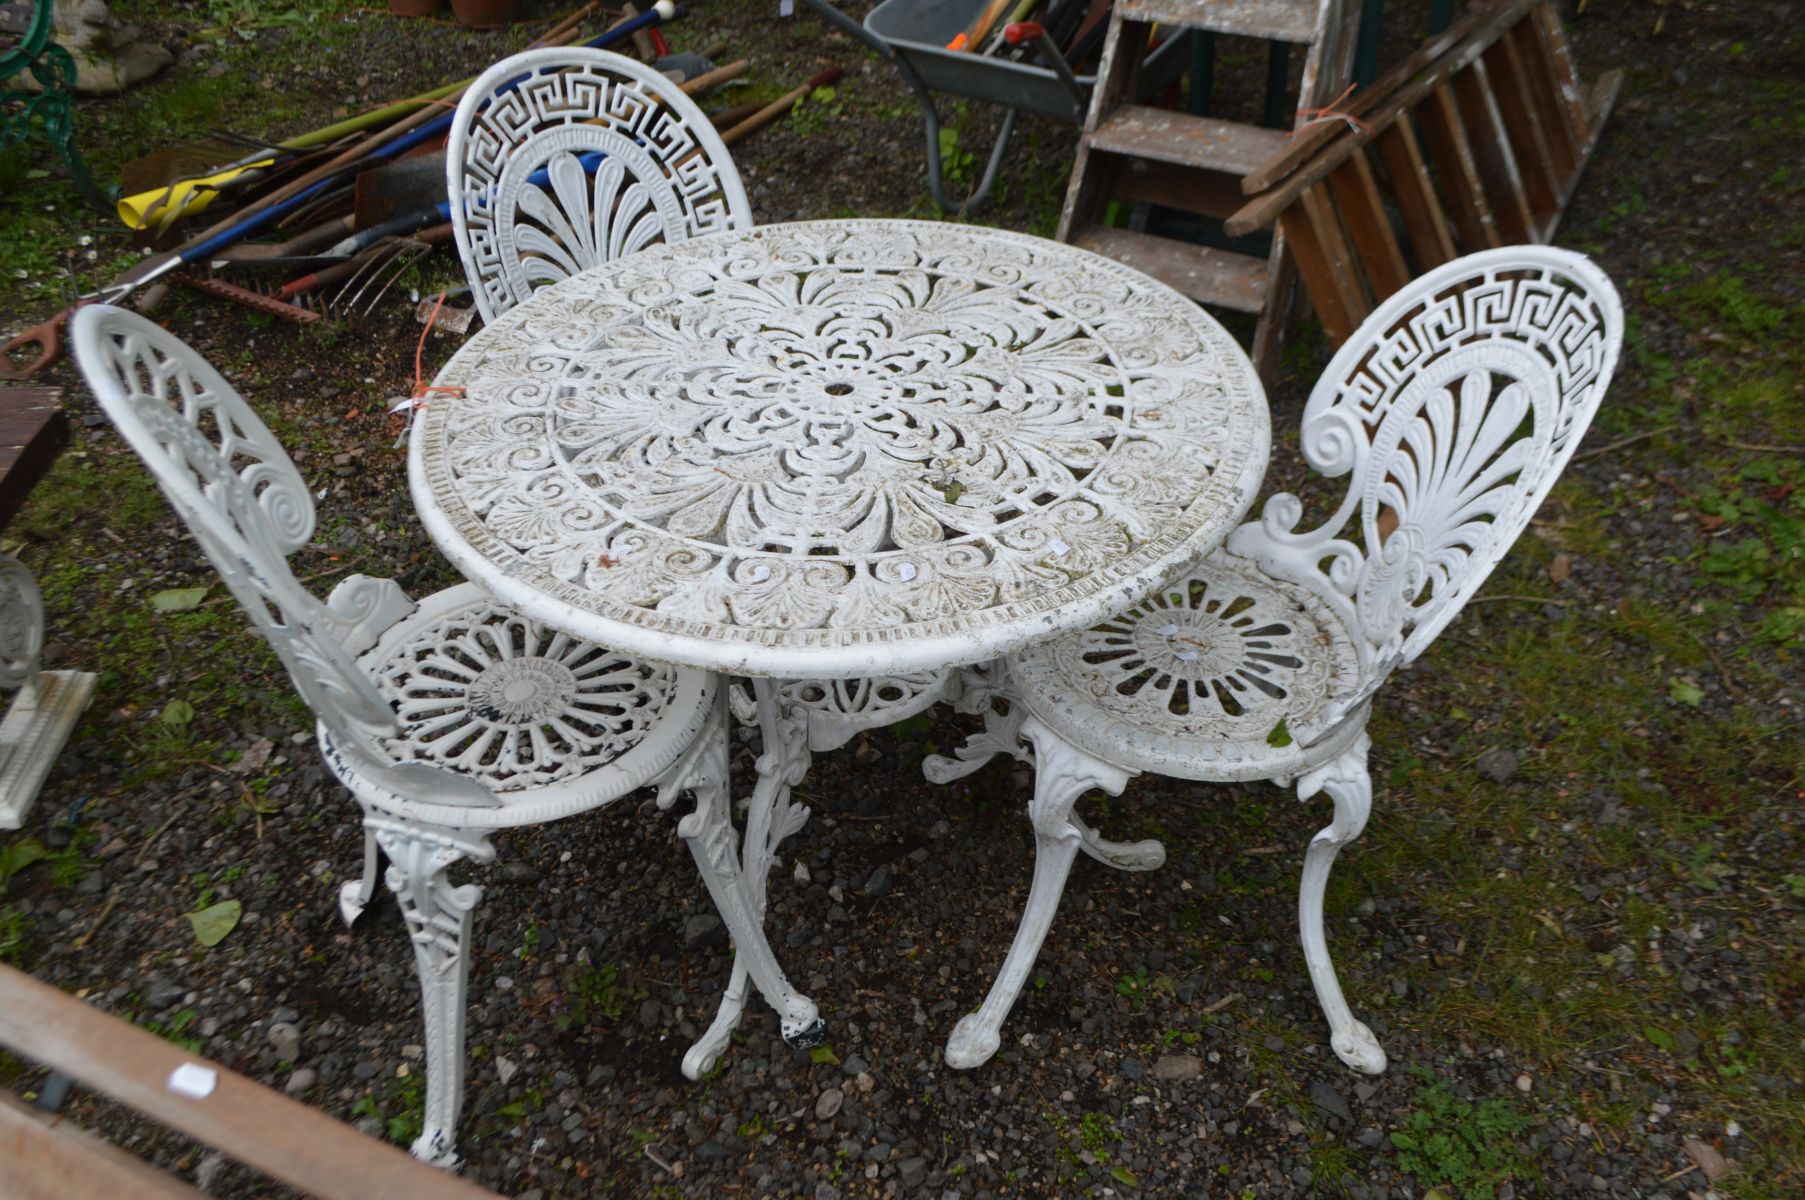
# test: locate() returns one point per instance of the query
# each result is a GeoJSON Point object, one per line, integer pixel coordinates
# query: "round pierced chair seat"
{"type": "Point", "coordinates": [1193, 681]}
{"type": "Point", "coordinates": [550, 724]}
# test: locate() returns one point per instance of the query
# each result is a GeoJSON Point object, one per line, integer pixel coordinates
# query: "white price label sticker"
{"type": "Point", "coordinates": [193, 1081]}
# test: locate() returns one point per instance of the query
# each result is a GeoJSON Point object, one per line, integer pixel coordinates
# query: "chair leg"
{"type": "Point", "coordinates": [354, 897]}
{"type": "Point", "coordinates": [1346, 781]}
{"type": "Point", "coordinates": [1062, 774]}
{"type": "Point", "coordinates": [1144, 855]}
{"type": "Point", "coordinates": [979, 688]}
{"type": "Point", "coordinates": [438, 919]}
{"type": "Point", "coordinates": [739, 894]}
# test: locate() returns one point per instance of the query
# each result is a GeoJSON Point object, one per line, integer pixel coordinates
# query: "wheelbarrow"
{"type": "Point", "coordinates": [914, 34]}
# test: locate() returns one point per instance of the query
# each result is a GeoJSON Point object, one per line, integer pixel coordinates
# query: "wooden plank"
{"type": "Point", "coordinates": [1164, 135]}
{"type": "Point", "coordinates": [1295, 228]}
{"type": "Point", "coordinates": [1313, 232]}
{"type": "Point", "coordinates": [241, 1118]}
{"type": "Point", "coordinates": [1274, 20]}
{"type": "Point", "coordinates": [1541, 182]}
{"type": "Point", "coordinates": [33, 431]}
{"type": "Point", "coordinates": [47, 1158]}
{"type": "Point", "coordinates": [1262, 209]}
{"type": "Point", "coordinates": [1553, 39]}
{"type": "Point", "coordinates": [1281, 286]}
{"type": "Point", "coordinates": [1356, 193]}
{"type": "Point", "coordinates": [1457, 171]}
{"type": "Point", "coordinates": [1545, 101]}
{"type": "Point", "coordinates": [1206, 193]}
{"type": "Point", "coordinates": [1482, 24]}
{"type": "Point", "coordinates": [1203, 273]}
{"type": "Point", "coordinates": [1498, 172]}
{"type": "Point", "coordinates": [1598, 106]}
{"type": "Point", "coordinates": [1118, 70]}
{"type": "Point", "coordinates": [1431, 243]}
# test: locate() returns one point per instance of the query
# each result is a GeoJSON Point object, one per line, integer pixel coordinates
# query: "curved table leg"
{"type": "Point", "coordinates": [770, 819]}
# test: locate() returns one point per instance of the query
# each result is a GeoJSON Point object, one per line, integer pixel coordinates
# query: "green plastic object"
{"type": "Point", "coordinates": [53, 107]}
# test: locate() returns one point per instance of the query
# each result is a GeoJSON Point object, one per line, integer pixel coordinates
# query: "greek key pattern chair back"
{"type": "Point", "coordinates": [239, 494]}
{"type": "Point", "coordinates": [1452, 411]}
{"type": "Point", "coordinates": [563, 158]}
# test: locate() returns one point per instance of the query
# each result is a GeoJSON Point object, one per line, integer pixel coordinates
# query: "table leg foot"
{"type": "Point", "coordinates": [713, 1043]}
{"type": "Point", "coordinates": [806, 1036]}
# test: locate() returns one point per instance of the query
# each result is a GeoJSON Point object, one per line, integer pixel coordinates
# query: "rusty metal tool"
{"type": "Point", "coordinates": [250, 299]}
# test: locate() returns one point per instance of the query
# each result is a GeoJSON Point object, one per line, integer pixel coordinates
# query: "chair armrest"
{"type": "Point", "coordinates": [368, 607]}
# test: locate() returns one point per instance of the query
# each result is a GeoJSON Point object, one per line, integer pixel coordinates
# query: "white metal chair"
{"type": "Point", "coordinates": [1451, 412]}
{"type": "Point", "coordinates": [447, 719]}
{"type": "Point", "coordinates": [563, 158]}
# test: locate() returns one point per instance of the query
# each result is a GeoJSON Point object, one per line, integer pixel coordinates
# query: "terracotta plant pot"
{"type": "Point", "coordinates": [484, 14]}
{"type": "Point", "coordinates": [415, 8]}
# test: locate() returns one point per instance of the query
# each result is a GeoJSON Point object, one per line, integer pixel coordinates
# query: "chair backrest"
{"type": "Point", "coordinates": [1452, 411]}
{"type": "Point", "coordinates": [563, 158]}
{"type": "Point", "coordinates": [230, 481]}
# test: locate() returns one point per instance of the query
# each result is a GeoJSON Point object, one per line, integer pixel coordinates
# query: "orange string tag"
{"type": "Point", "coordinates": [1332, 112]}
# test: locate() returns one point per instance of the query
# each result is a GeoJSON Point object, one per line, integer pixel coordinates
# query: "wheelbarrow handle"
{"type": "Point", "coordinates": [833, 16]}
{"type": "Point", "coordinates": [1034, 31]}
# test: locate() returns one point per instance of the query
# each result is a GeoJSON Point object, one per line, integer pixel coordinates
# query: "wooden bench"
{"type": "Point", "coordinates": [45, 1157]}
{"type": "Point", "coordinates": [33, 431]}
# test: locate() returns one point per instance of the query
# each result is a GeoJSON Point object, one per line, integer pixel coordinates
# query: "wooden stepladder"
{"type": "Point", "coordinates": [1477, 140]}
{"type": "Point", "coordinates": [1194, 164]}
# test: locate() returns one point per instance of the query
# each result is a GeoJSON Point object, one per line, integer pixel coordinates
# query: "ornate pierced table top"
{"type": "Point", "coordinates": [839, 448]}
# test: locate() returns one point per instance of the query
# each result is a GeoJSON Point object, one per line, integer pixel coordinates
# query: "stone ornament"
{"type": "Point", "coordinates": [1451, 413]}
{"type": "Point", "coordinates": [563, 158]}
{"type": "Point", "coordinates": [836, 449]}
{"type": "Point", "coordinates": [46, 705]}
{"type": "Point", "coordinates": [447, 719]}
{"type": "Point", "coordinates": [21, 624]}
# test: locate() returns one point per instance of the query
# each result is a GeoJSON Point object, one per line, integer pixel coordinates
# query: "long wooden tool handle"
{"type": "Point", "coordinates": [777, 108]}
{"type": "Point", "coordinates": [716, 77]}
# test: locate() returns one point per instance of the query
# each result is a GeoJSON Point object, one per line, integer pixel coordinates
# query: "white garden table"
{"type": "Point", "coordinates": [833, 450]}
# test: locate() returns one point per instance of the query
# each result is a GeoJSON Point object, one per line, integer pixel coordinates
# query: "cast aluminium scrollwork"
{"type": "Point", "coordinates": [566, 157]}
{"type": "Point", "coordinates": [437, 913]}
{"type": "Point", "coordinates": [840, 448]}
{"type": "Point", "coordinates": [772, 815]}
{"type": "Point", "coordinates": [1451, 413]}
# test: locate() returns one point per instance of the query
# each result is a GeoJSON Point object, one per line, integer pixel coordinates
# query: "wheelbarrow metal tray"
{"type": "Point", "coordinates": [917, 31]}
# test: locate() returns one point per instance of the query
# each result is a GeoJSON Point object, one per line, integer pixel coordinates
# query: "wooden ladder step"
{"type": "Point", "coordinates": [1277, 20]}
{"type": "Point", "coordinates": [1203, 273]}
{"type": "Point", "coordinates": [1166, 136]}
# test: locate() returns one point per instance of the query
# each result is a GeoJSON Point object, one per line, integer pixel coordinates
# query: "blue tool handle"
{"type": "Point", "coordinates": [406, 141]}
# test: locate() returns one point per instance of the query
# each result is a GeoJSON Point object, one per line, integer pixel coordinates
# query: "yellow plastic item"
{"type": "Point", "coordinates": [165, 205]}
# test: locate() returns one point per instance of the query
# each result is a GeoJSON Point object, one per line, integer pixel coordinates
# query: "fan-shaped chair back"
{"type": "Point", "coordinates": [563, 158]}
{"type": "Point", "coordinates": [1452, 411]}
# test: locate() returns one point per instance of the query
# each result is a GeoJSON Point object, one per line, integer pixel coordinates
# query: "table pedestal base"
{"type": "Point", "coordinates": [771, 817]}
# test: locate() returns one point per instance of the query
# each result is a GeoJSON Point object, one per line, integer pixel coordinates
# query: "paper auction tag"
{"type": "Point", "coordinates": [193, 1081]}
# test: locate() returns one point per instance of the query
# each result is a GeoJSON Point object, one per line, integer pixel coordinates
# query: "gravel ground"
{"type": "Point", "coordinates": [1169, 1043]}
